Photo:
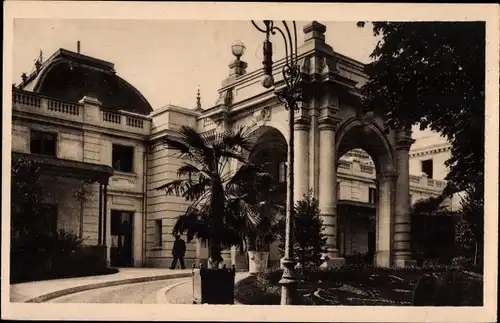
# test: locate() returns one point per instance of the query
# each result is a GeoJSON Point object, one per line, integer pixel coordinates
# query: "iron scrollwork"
{"type": "Point", "coordinates": [291, 94]}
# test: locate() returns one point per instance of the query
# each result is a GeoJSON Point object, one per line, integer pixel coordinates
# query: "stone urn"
{"type": "Point", "coordinates": [257, 261]}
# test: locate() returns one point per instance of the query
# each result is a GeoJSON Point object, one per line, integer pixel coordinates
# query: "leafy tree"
{"type": "Point", "coordinates": [433, 222]}
{"type": "Point", "coordinates": [224, 203]}
{"type": "Point", "coordinates": [433, 74]}
{"type": "Point", "coordinates": [309, 243]}
{"type": "Point", "coordinates": [26, 200]}
{"type": "Point", "coordinates": [470, 226]}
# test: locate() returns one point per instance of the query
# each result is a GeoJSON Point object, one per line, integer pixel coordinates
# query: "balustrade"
{"type": "Point", "coordinates": [34, 103]}
{"type": "Point", "coordinates": [111, 117]}
{"type": "Point", "coordinates": [63, 107]}
{"type": "Point", "coordinates": [366, 169]}
{"type": "Point", "coordinates": [24, 98]}
{"type": "Point", "coordinates": [135, 122]}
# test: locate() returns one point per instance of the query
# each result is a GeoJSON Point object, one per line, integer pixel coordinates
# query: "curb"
{"type": "Point", "coordinates": [161, 295]}
{"type": "Point", "coordinates": [72, 290]}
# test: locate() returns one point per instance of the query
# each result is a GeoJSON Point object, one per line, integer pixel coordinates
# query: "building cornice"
{"type": "Point", "coordinates": [430, 150]}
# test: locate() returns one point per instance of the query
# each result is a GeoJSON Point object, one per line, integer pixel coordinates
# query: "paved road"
{"type": "Point", "coordinates": [181, 294]}
{"type": "Point", "coordinates": [139, 293]}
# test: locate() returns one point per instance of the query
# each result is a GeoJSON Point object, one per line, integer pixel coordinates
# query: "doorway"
{"type": "Point", "coordinates": [121, 238]}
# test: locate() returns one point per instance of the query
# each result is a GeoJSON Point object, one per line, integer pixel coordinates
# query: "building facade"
{"type": "Point", "coordinates": [100, 144]}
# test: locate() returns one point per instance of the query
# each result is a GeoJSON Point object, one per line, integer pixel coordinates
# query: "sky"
{"type": "Point", "coordinates": [167, 60]}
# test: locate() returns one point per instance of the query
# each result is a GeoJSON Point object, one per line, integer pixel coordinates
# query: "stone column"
{"type": "Point", "coordinates": [402, 221]}
{"type": "Point", "coordinates": [386, 183]}
{"type": "Point", "coordinates": [301, 161]}
{"type": "Point", "coordinates": [314, 153]}
{"type": "Point", "coordinates": [328, 187]}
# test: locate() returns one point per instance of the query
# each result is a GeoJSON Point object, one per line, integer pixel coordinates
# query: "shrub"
{"type": "Point", "coordinates": [456, 288]}
{"type": "Point", "coordinates": [253, 291]}
{"type": "Point", "coordinates": [467, 263]}
{"type": "Point", "coordinates": [271, 276]}
{"type": "Point", "coordinates": [453, 288]}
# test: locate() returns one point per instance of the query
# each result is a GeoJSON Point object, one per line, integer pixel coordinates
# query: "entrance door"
{"type": "Point", "coordinates": [121, 238]}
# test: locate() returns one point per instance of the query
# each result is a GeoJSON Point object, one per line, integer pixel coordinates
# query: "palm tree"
{"type": "Point", "coordinates": [224, 203]}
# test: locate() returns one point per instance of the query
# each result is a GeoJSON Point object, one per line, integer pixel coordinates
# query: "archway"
{"type": "Point", "coordinates": [356, 207]}
{"type": "Point", "coordinates": [270, 151]}
{"type": "Point", "coordinates": [357, 135]}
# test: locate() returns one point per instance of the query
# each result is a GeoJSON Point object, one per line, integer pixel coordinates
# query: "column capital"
{"type": "Point", "coordinates": [329, 111]}
{"type": "Point", "coordinates": [404, 143]}
{"type": "Point", "coordinates": [403, 139]}
{"type": "Point", "coordinates": [301, 124]}
{"type": "Point", "coordinates": [328, 123]}
{"type": "Point", "coordinates": [387, 177]}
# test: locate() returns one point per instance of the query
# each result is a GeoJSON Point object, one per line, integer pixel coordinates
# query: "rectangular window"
{"type": "Point", "coordinates": [123, 158]}
{"type": "Point", "coordinates": [43, 143]}
{"type": "Point", "coordinates": [426, 167]}
{"type": "Point", "coordinates": [338, 190]}
{"type": "Point", "coordinates": [409, 200]}
{"type": "Point", "coordinates": [372, 195]}
{"type": "Point", "coordinates": [158, 233]}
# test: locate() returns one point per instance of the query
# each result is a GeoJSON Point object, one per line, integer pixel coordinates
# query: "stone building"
{"type": "Point", "coordinates": [99, 142]}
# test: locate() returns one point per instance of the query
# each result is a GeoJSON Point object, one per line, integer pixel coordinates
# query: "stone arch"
{"type": "Point", "coordinates": [267, 138]}
{"type": "Point", "coordinates": [270, 150]}
{"type": "Point", "coordinates": [356, 133]}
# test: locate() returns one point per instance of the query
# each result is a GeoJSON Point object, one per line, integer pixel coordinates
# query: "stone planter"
{"type": "Point", "coordinates": [257, 261]}
{"type": "Point", "coordinates": [213, 286]}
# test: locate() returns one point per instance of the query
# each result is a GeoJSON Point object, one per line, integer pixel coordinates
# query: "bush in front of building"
{"type": "Point", "coordinates": [61, 255]}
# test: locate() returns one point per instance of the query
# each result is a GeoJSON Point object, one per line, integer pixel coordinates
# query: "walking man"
{"type": "Point", "coordinates": [178, 252]}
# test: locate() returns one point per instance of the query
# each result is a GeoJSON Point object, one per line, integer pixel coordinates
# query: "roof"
{"type": "Point", "coordinates": [70, 76]}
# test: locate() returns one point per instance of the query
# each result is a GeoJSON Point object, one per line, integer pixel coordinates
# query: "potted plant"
{"type": "Point", "coordinates": [260, 239]}
{"type": "Point", "coordinates": [221, 211]}
{"type": "Point", "coordinates": [269, 201]}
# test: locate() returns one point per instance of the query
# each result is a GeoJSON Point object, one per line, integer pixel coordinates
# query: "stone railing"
{"type": "Point", "coordinates": [366, 169]}
{"type": "Point", "coordinates": [111, 117]}
{"type": "Point", "coordinates": [35, 103]}
{"type": "Point", "coordinates": [26, 99]}
{"type": "Point", "coordinates": [64, 107]}
{"type": "Point", "coordinates": [357, 169]}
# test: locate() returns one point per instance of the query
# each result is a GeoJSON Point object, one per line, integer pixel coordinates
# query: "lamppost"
{"type": "Point", "coordinates": [290, 95]}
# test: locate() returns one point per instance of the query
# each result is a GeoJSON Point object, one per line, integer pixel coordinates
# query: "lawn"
{"type": "Point", "coordinates": [364, 285]}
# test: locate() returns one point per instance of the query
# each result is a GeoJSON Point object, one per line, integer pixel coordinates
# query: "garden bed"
{"type": "Point", "coordinates": [354, 285]}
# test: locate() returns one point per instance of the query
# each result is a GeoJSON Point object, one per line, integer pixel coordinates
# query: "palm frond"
{"type": "Point", "coordinates": [190, 169]}
{"type": "Point", "coordinates": [240, 138]}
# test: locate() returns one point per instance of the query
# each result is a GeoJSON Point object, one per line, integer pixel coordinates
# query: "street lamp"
{"type": "Point", "coordinates": [290, 95]}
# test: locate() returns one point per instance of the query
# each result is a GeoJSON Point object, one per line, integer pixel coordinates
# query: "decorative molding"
{"type": "Point", "coordinates": [431, 151]}
{"type": "Point", "coordinates": [327, 124]}
{"type": "Point", "coordinates": [302, 124]}
{"type": "Point", "coordinates": [328, 117]}
{"type": "Point", "coordinates": [387, 177]}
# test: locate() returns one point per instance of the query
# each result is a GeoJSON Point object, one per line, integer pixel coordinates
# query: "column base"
{"type": "Point", "coordinates": [404, 262]}
{"type": "Point", "coordinates": [383, 258]}
{"type": "Point", "coordinates": [333, 262]}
